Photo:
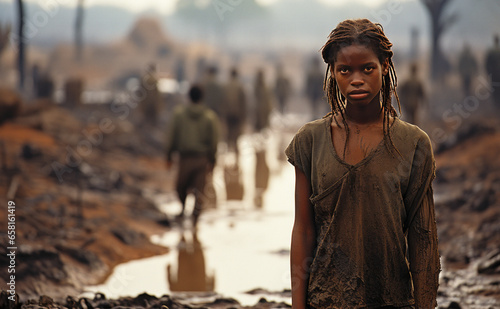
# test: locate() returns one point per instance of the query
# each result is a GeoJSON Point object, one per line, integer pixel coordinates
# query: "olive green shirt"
{"type": "Point", "coordinates": [193, 130]}
{"type": "Point", "coordinates": [364, 214]}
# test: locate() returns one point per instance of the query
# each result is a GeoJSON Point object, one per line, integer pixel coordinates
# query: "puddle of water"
{"type": "Point", "coordinates": [235, 248]}
{"type": "Point", "coordinates": [239, 247]}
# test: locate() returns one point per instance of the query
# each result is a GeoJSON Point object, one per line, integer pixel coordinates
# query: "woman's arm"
{"type": "Point", "coordinates": [303, 240]}
{"type": "Point", "coordinates": [423, 254]}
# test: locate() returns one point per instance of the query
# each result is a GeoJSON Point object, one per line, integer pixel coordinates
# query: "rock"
{"type": "Point", "coordinates": [145, 300]}
{"type": "Point", "coordinates": [490, 264]}
{"type": "Point", "coordinates": [71, 302]}
{"type": "Point", "coordinates": [262, 300]}
{"type": "Point", "coordinates": [6, 303]}
{"type": "Point", "coordinates": [454, 305]}
{"type": "Point", "coordinates": [45, 301]}
{"type": "Point", "coordinates": [29, 152]}
{"type": "Point", "coordinates": [128, 236]}
{"type": "Point", "coordinates": [220, 301]}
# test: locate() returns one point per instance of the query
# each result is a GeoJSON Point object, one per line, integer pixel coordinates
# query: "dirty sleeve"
{"type": "Point", "coordinates": [420, 226]}
{"type": "Point", "coordinates": [299, 151]}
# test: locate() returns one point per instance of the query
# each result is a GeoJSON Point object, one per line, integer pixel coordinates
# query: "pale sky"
{"type": "Point", "coordinates": [167, 6]}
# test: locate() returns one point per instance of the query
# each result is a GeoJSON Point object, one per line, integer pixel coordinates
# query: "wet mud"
{"type": "Point", "coordinates": [83, 182]}
{"type": "Point", "coordinates": [467, 201]}
{"type": "Point", "coordinates": [77, 178]}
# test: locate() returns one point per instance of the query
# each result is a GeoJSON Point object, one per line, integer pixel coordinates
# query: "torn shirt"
{"type": "Point", "coordinates": [362, 214]}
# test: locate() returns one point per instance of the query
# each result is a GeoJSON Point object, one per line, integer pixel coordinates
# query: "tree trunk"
{"type": "Point", "coordinates": [436, 9]}
{"type": "Point", "coordinates": [79, 31]}
{"type": "Point", "coordinates": [21, 45]}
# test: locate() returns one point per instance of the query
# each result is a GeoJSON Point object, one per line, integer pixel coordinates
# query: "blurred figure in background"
{"type": "Point", "coordinates": [263, 103]}
{"type": "Point", "coordinates": [467, 67]}
{"type": "Point", "coordinates": [201, 69]}
{"type": "Point", "coordinates": [193, 134]}
{"type": "Point", "coordinates": [43, 83]}
{"type": "Point", "coordinates": [214, 92]}
{"type": "Point", "coordinates": [314, 89]}
{"type": "Point", "coordinates": [262, 113]}
{"type": "Point", "coordinates": [412, 95]}
{"type": "Point", "coordinates": [215, 100]}
{"type": "Point", "coordinates": [180, 69]}
{"type": "Point", "coordinates": [236, 111]}
{"type": "Point", "coordinates": [282, 88]}
{"type": "Point", "coordinates": [261, 175]}
{"type": "Point", "coordinates": [493, 69]}
{"type": "Point", "coordinates": [150, 96]}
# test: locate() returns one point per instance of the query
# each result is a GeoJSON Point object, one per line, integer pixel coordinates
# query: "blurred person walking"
{"type": "Point", "coordinates": [314, 88]}
{"type": "Point", "coordinates": [214, 92]}
{"type": "Point", "coordinates": [282, 88]}
{"type": "Point", "coordinates": [263, 108]}
{"type": "Point", "coordinates": [193, 135]}
{"type": "Point", "coordinates": [468, 68]}
{"type": "Point", "coordinates": [493, 69]}
{"type": "Point", "coordinates": [263, 102]}
{"type": "Point", "coordinates": [149, 104]}
{"type": "Point", "coordinates": [215, 100]}
{"type": "Point", "coordinates": [236, 111]}
{"type": "Point", "coordinates": [412, 94]}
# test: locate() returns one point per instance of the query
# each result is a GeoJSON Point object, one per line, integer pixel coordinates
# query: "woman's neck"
{"type": "Point", "coordinates": [368, 114]}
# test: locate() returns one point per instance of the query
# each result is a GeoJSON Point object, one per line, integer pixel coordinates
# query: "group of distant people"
{"type": "Point", "coordinates": [412, 93]}
{"type": "Point", "coordinates": [468, 68]}
{"type": "Point", "coordinates": [195, 129]}
{"type": "Point", "coordinates": [222, 110]}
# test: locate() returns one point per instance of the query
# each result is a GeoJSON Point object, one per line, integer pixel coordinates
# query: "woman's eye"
{"type": "Point", "coordinates": [369, 69]}
{"type": "Point", "coordinates": [344, 70]}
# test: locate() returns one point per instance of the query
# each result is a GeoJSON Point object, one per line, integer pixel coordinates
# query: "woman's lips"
{"type": "Point", "coordinates": [359, 95]}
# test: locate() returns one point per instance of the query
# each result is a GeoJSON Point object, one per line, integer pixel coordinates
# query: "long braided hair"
{"type": "Point", "coordinates": [362, 32]}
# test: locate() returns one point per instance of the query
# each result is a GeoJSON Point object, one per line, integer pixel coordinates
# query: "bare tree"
{"type": "Point", "coordinates": [439, 24]}
{"type": "Point", "coordinates": [21, 44]}
{"type": "Point", "coordinates": [79, 31]}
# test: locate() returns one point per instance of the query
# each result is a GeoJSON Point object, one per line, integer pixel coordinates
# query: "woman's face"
{"type": "Point", "coordinates": [358, 73]}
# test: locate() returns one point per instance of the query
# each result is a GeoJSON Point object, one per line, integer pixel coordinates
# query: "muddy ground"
{"type": "Point", "coordinates": [77, 179]}
{"type": "Point", "coordinates": [82, 181]}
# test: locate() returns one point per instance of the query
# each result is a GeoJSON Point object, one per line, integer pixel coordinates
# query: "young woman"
{"type": "Point", "coordinates": [363, 192]}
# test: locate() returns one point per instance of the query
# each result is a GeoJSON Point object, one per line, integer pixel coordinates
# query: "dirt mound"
{"type": "Point", "coordinates": [467, 196]}
{"type": "Point", "coordinates": [80, 207]}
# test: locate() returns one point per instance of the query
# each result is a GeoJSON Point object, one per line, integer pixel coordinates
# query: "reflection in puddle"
{"type": "Point", "coordinates": [190, 274]}
{"type": "Point", "coordinates": [236, 247]}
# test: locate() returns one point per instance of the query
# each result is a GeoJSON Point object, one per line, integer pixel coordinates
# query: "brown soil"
{"type": "Point", "coordinates": [467, 196]}
{"type": "Point", "coordinates": [80, 213]}
{"type": "Point", "coordinates": [73, 229]}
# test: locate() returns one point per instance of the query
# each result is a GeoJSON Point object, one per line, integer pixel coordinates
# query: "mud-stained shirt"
{"type": "Point", "coordinates": [363, 214]}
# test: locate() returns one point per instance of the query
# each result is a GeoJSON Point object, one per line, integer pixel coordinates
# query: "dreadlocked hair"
{"type": "Point", "coordinates": [362, 32]}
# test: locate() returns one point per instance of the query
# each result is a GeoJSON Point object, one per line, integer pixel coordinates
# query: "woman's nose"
{"type": "Point", "coordinates": [357, 80]}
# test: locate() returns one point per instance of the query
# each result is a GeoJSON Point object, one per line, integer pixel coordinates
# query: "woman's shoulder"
{"type": "Point", "coordinates": [409, 133]}
{"type": "Point", "coordinates": [409, 130]}
{"type": "Point", "coordinates": [314, 127]}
